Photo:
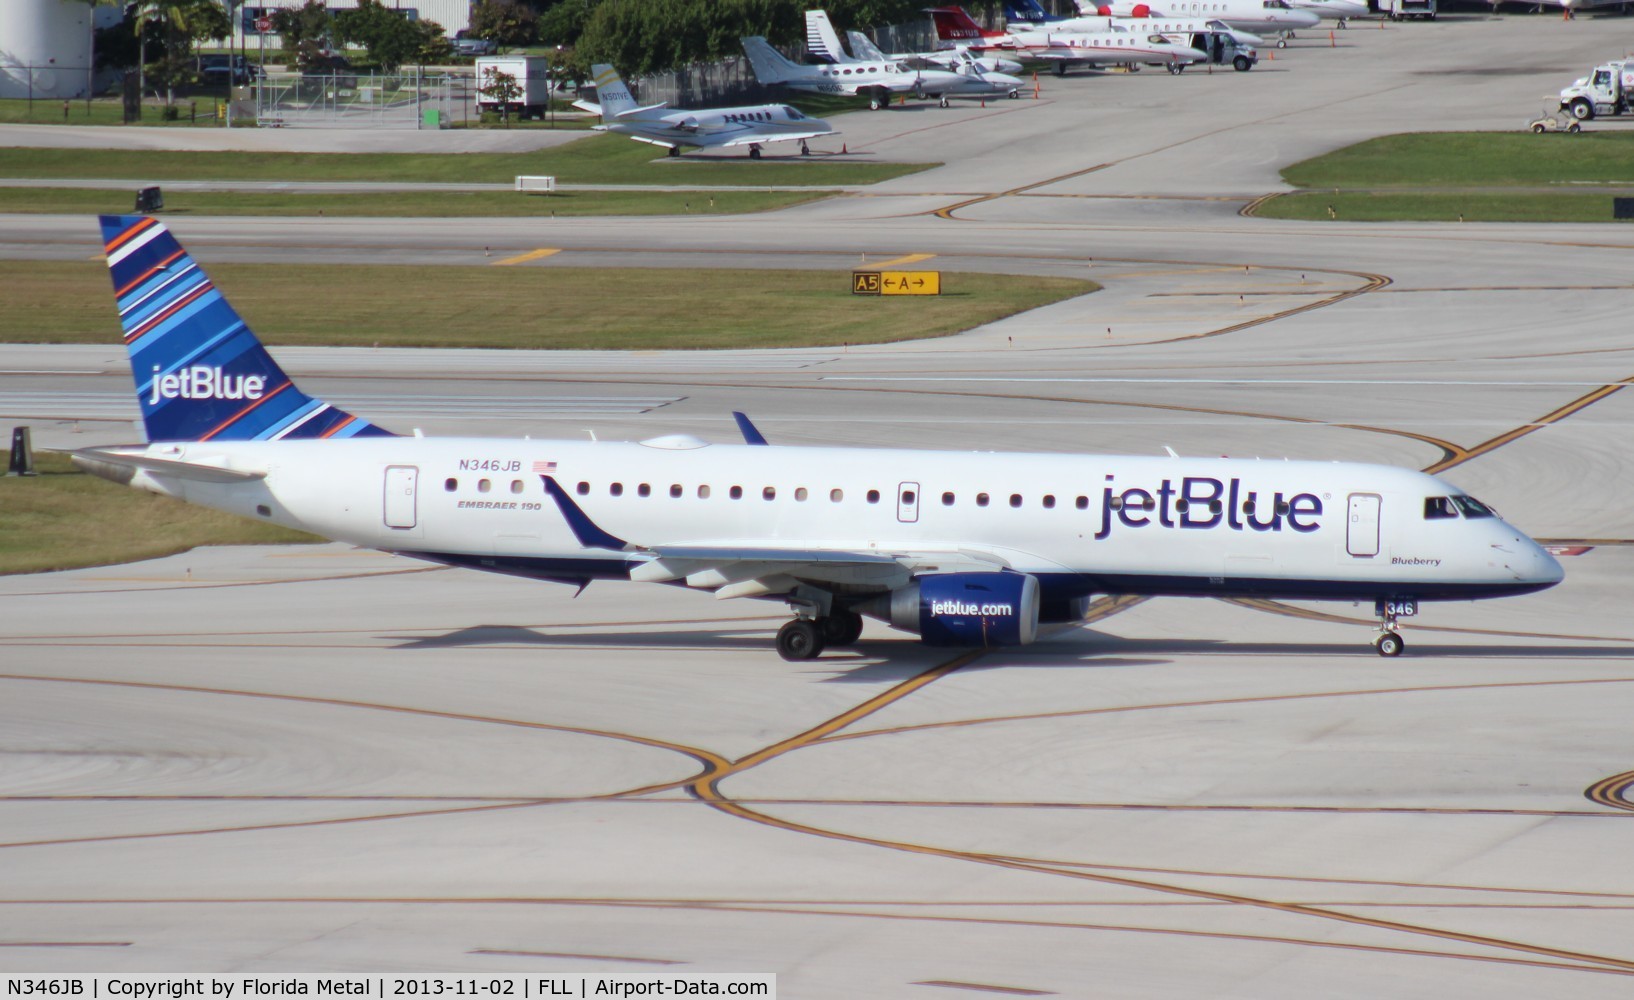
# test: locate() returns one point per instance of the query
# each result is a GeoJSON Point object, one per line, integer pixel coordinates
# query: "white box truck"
{"type": "Point", "coordinates": [530, 97]}
{"type": "Point", "coordinates": [1400, 10]}
{"type": "Point", "coordinates": [1608, 90]}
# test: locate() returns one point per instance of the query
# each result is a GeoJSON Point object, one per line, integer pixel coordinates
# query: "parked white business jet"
{"type": "Point", "coordinates": [962, 548]}
{"type": "Point", "coordinates": [876, 81]}
{"type": "Point", "coordinates": [705, 128]}
{"type": "Point", "coordinates": [1025, 16]}
{"type": "Point", "coordinates": [1259, 16]}
{"type": "Point", "coordinates": [1110, 45]}
{"type": "Point", "coordinates": [823, 44]}
{"type": "Point", "coordinates": [974, 80]}
{"type": "Point", "coordinates": [947, 59]}
{"type": "Point", "coordinates": [1340, 11]}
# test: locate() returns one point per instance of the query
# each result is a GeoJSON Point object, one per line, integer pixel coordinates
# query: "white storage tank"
{"type": "Point", "coordinates": [45, 48]}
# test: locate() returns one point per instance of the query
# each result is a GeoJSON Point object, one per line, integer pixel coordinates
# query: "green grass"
{"type": "Point", "coordinates": [595, 159]}
{"type": "Point", "coordinates": [63, 519]}
{"type": "Point", "coordinates": [549, 306]}
{"type": "Point", "coordinates": [1469, 176]}
{"type": "Point", "coordinates": [78, 201]}
{"type": "Point", "coordinates": [1438, 159]}
{"type": "Point", "coordinates": [1478, 206]}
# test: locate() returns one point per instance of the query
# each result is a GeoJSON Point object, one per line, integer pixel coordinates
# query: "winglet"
{"type": "Point", "coordinates": [584, 529]}
{"type": "Point", "coordinates": [751, 434]}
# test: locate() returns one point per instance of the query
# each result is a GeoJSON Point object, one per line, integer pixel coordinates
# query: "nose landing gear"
{"type": "Point", "coordinates": [1389, 641]}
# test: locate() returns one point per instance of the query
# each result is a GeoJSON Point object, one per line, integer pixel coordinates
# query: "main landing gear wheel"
{"type": "Point", "coordinates": [1389, 644]}
{"type": "Point", "coordinates": [674, 151]}
{"type": "Point", "coordinates": [800, 639]}
{"type": "Point", "coordinates": [754, 151]}
{"type": "Point", "coordinates": [876, 102]}
{"type": "Point", "coordinates": [805, 150]}
{"type": "Point", "coordinates": [842, 628]}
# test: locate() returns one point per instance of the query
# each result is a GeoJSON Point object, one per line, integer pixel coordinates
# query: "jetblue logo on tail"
{"type": "Point", "coordinates": [199, 382]}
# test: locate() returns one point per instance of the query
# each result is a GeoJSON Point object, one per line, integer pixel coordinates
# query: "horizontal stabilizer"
{"type": "Point", "coordinates": [122, 466]}
{"type": "Point", "coordinates": [637, 112]}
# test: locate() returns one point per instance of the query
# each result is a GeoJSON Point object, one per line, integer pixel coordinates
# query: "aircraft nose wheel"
{"type": "Point", "coordinates": [943, 102]}
{"type": "Point", "coordinates": [1389, 644]}
{"type": "Point", "coordinates": [800, 639]}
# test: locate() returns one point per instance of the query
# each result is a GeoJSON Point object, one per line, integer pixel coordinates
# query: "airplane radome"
{"type": "Point", "coordinates": [962, 549]}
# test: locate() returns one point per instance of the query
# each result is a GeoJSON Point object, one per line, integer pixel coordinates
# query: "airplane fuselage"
{"type": "Point", "coordinates": [1080, 523]}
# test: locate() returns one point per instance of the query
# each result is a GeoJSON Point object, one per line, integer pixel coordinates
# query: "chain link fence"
{"type": "Point", "coordinates": [354, 100]}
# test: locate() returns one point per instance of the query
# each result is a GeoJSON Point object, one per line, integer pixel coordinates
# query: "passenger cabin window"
{"type": "Point", "coordinates": [799, 494]}
{"type": "Point", "coordinates": [484, 485]}
{"type": "Point", "coordinates": [516, 486]}
{"type": "Point", "coordinates": [908, 497]}
{"type": "Point", "coordinates": [736, 493]}
{"type": "Point", "coordinates": [1015, 499]}
{"type": "Point", "coordinates": [644, 490]}
{"type": "Point", "coordinates": [1082, 503]}
{"type": "Point", "coordinates": [981, 499]}
{"type": "Point", "coordinates": [451, 484]}
{"type": "Point", "coordinates": [836, 495]}
{"type": "Point", "coordinates": [1049, 501]}
{"type": "Point", "coordinates": [583, 489]}
{"type": "Point", "coordinates": [947, 499]}
{"type": "Point", "coordinates": [615, 489]}
{"type": "Point", "coordinates": [769, 493]}
{"type": "Point", "coordinates": [1439, 508]}
{"type": "Point", "coordinates": [675, 491]}
{"type": "Point", "coordinates": [873, 496]}
{"type": "Point", "coordinates": [703, 493]}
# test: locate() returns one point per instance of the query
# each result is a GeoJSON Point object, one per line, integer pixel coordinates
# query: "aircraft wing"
{"type": "Point", "coordinates": [756, 570]}
{"type": "Point", "coordinates": [744, 140]}
{"type": "Point", "coordinates": [590, 106]}
{"type": "Point", "coordinates": [130, 464]}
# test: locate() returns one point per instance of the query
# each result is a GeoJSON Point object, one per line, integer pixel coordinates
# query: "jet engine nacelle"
{"type": "Point", "coordinates": [968, 609]}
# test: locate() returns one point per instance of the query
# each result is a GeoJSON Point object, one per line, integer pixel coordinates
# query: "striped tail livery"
{"type": "Point", "coordinates": [201, 375]}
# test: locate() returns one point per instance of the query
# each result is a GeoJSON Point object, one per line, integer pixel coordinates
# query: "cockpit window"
{"type": "Point", "coordinates": [793, 113]}
{"type": "Point", "coordinates": [1473, 508]}
{"type": "Point", "coordinates": [1437, 508]}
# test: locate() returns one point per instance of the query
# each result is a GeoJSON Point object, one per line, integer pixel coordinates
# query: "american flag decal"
{"type": "Point", "coordinates": [544, 467]}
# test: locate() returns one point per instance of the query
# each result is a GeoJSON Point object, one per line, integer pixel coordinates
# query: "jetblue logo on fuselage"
{"type": "Point", "coordinates": [1204, 502]}
{"type": "Point", "coordinates": [199, 382]}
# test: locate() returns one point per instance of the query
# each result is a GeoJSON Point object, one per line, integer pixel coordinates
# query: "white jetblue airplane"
{"type": "Point", "coordinates": [705, 128]}
{"type": "Point", "coordinates": [1334, 10]}
{"type": "Point", "coordinates": [962, 548]}
{"type": "Point", "coordinates": [973, 79]}
{"type": "Point", "coordinates": [876, 81]}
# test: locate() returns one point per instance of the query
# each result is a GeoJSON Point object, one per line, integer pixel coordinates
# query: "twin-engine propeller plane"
{"type": "Point", "coordinates": [961, 548]}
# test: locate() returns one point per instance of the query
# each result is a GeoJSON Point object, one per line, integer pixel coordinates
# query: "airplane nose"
{"type": "Point", "coordinates": [1547, 568]}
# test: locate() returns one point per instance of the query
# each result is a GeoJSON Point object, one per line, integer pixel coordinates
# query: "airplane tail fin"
{"type": "Point", "coordinates": [770, 65]}
{"type": "Point", "coordinates": [1024, 12]}
{"type": "Point", "coordinates": [821, 38]}
{"type": "Point", "coordinates": [864, 48]}
{"type": "Point", "coordinates": [954, 24]}
{"type": "Point", "coordinates": [611, 93]}
{"type": "Point", "coordinates": [201, 375]}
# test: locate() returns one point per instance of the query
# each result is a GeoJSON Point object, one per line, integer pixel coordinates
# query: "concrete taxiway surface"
{"type": "Point", "coordinates": [311, 758]}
